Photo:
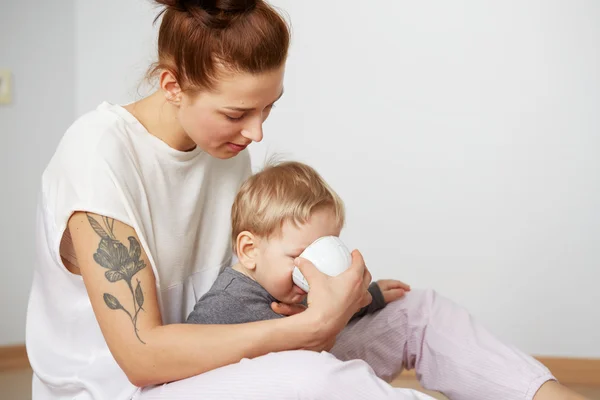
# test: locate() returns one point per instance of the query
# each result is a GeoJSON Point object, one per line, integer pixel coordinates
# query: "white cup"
{"type": "Point", "coordinates": [328, 254]}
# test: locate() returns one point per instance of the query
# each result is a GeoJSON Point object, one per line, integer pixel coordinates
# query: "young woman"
{"type": "Point", "coordinates": [134, 226]}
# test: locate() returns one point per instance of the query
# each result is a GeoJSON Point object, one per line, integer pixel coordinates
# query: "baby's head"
{"type": "Point", "coordinates": [277, 213]}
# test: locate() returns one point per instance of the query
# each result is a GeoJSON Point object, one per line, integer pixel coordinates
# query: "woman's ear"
{"type": "Point", "coordinates": [170, 87]}
{"type": "Point", "coordinates": [247, 250]}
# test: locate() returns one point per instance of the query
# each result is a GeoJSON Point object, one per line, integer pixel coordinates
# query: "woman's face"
{"type": "Point", "coordinates": [224, 121]}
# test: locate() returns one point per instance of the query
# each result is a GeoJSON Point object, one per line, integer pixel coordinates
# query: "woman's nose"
{"type": "Point", "coordinates": [254, 132]}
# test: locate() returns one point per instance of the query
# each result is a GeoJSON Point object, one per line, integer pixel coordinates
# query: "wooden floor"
{"type": "Point", "coordinates": [591, 392]}
{"type": "Point", "coordinates": [16, 385]}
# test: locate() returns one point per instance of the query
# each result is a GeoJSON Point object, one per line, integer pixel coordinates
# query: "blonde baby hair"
{"type": "Point", "coordinates": [287, 191]}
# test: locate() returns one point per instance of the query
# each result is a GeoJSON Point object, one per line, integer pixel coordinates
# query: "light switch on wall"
{"type": "Point", "coordinates": [5, 87]}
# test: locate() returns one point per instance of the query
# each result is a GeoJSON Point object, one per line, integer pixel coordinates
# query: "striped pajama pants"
{"type": "Point", "coordinates": [450, 352]}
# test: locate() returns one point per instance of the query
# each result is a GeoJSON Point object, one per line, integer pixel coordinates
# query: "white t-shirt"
{"type": "Point", "coordinates": [179, 204]}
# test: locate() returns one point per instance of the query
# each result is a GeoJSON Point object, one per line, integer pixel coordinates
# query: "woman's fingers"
{"type": "Point", "coordinates": [287, 309]}
{"type": "Point", "coordinates": [308, 269]}
{"type": "Point", "coordinates": [367, 278]}
{"type": "Point", "coordinates": [359, 263]}
{"type": "Point", "coordinates": [367, 299]}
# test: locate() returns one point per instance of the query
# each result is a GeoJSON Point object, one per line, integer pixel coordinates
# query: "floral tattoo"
{"type": "Point", "coordinates": [122, 264]}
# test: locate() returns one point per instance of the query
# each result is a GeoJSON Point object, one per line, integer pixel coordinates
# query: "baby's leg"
{"type": "Point", "coordinates": [288, 375]}
{"type": "Point", "coordinates": [450, 352]}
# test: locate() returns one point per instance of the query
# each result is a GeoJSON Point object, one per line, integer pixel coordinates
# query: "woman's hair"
{"type": "Point", "coordinates": [198, 39]}
{"type": "Point", "coordinates": [286, 192]}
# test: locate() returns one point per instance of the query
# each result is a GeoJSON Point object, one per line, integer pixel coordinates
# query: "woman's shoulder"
{"type": "Point", "coordinates": [90, 158]}
{"type": "Point", "coordinates": [94, 130]}
{"type": "Point", "coordinates": [98, 136]}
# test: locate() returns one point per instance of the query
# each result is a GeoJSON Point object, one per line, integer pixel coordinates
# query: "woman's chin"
{"type": "Point", "coordinates": [221, 154]}
{"type": "Point", "coordinates": [224, 152]}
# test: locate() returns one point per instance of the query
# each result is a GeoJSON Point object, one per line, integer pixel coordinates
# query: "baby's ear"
{"type": "Point", "coordinates": [247, 249]}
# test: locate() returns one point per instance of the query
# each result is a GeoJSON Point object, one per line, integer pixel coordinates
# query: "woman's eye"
{"type": "Point", "coordinates": [231, 118]}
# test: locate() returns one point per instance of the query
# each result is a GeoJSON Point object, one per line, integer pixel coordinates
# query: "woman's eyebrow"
{"type": "Point", "coordinates": [250, 108]}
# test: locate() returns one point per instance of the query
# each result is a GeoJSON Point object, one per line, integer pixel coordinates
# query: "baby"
{"type": "Point", "coordinates": [277, 213]}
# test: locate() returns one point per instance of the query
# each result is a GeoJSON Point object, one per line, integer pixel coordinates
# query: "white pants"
{"type": "Point", "coordinates": [450, 352]}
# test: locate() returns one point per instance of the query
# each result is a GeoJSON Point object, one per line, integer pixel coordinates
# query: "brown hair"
{"type": "Point", "coordinates": [196, 37]}
{"type": "Point", "coordinates": [286, 192]}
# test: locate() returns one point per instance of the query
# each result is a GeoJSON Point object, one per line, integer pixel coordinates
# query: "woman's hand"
{"type": "Point", "coordinates": [392, 290]}
{"type": "Point", "coordinates": [332, 301]}
{"type": "Point", "coordinates": [287, 309]}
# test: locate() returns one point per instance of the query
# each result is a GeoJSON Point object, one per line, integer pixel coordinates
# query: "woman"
{"type": "Point", "coordinates": [133, 226]}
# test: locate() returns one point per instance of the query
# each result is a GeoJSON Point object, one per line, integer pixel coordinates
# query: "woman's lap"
{"type": "Point", "coordinates": [287, 375]}
{"type": "Point", "coordinates": [450, 352]}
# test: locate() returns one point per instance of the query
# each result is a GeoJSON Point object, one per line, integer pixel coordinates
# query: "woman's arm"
{"type": "Point", "coordinates": [121, 288]}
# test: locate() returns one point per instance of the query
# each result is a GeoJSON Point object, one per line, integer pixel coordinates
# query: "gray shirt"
{"type": "Point", "coordinates": [235, 298]}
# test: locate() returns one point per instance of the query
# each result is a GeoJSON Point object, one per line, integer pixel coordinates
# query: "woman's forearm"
{"type": "Point", "coordinates": [178, 351]}
{"type": "Point", "coordinates": [149, 352]}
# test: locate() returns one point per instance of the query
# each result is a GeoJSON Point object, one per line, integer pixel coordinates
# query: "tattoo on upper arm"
{"type": "Point", "coordinates": [122, 264]}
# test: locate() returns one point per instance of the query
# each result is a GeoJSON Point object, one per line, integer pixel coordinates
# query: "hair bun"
{"type": "Point", "coordinates": [216, 6]}
{"type": "Point", "coordinates": [168, 3]}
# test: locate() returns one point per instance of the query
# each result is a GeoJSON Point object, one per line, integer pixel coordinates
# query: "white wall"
{"type": "Point", "coordinates": [463, 136]}
{"type": "Point", "coordinates": [111, 62]}
{"type": "Point", "coordinates": [36, 43]}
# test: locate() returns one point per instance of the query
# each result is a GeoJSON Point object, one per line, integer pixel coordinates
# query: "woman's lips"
{"type": "Point", "coordinates": [236, 147]}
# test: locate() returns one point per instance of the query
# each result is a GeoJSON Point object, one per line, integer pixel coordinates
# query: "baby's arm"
{"type": "Point", "coordinates": [219, 307]}
{"type": "Point", "coordinates": [377, 304]}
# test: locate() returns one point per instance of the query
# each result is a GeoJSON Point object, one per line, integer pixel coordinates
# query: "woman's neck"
{"type": "Point", "coordinates": [159, 117]}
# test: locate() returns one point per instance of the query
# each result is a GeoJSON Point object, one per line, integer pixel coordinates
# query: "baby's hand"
{"type": "Point", "coordinates": [392, 289]}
